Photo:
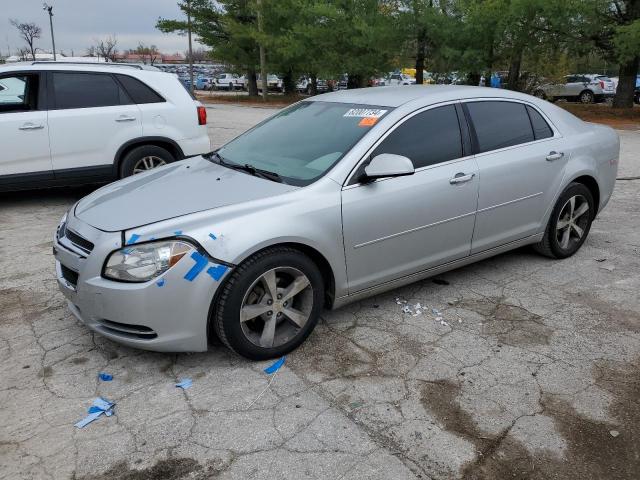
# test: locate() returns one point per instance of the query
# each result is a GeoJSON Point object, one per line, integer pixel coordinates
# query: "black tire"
{"type": "Point", "coordinates": [586, 97]}
{"type": "Point", "coordinates": [225, 318]}
{"type": "Point", "coordinates": [132, 159]}
{"type": "Point", "coordinates": [550, 245]}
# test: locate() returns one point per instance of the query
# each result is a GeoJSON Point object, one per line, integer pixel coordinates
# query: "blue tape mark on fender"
{"type": "Point", "coordinates": [201, 263]}
{"type": "Point", "coordinates": [275, 367]}
{"type": "Point", "coordinates": [213, 237]}
{"type": "Point", "coordinates": [217, 272]}
{"type": "Point", "coordinates": [160, 282]}
{"type": "Point", "coordinates": [178, 232]}
{"type": "Point", "coordinates": [134, 238]}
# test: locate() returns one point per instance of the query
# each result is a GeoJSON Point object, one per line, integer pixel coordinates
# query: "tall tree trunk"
{"type": "Point", "coordinates": [420, 55]}
{"type": "Point", "coordinates": [513, 80]}
{"type": "Point", "coordinates": [473, 78]}
{"type": "Point", "coordinates": [314, 85]}
{"type": "Point", "coordinates": [288, 83]}
{"type": "Point", "coordinates": [627, 84]}
{"type": "Point", "coordinates": [252, 84]}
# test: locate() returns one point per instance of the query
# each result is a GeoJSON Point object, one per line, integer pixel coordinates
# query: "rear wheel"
{"type": "Point", "coordinates": [270, 304]}
{"type": "Point", "coordinates": [144, 158]}
{"type": "Point", "coordinates": [569, 224]}
{"type": "Point", "coordinates": [586, 97]}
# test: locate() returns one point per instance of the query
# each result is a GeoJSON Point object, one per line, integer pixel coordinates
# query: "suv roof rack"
{"type": "Point", "coordinates": [99, 64]}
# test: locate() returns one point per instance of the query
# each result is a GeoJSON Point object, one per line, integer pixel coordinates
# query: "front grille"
{"type": "Point", "coordinates": [78, 241]}
{"type": "Point", "coordinates": [69, 275]}
{"type": "Point", "coordinates": [128, 330]}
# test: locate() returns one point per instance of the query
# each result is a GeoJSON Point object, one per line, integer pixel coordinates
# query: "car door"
{"type": "Point", "coordinates": [91, 118]}
{"type": "Point", "coordinates": [397, 226]}
{"type": "Point", "coordinates": [23, 129]}
{"type": "Point", "coordinates": [521, 161]}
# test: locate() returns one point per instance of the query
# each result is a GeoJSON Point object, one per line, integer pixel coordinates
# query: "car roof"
{"type": "Point", "coordinates": [76, 66]}
{"type": "Point", "coordinates": [423, 94]}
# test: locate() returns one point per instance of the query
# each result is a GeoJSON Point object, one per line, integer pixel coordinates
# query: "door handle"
{"type": "Point", "coordinates": [125, 118]}
{"type": "Point", "coordinates": [461, 178]}
{"type": "Point", "coordinates": [553, 155]}
{"type": "Point", "coordinates": [31, 126]}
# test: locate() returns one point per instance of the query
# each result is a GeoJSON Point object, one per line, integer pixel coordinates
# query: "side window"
{"type": "Point", "coordinates": [138, 91]}
{"type": "Point", "coordinates": [87, 90]}
{"type": "Point", "coordinates": [500, 124]}
{"type": "Point", "coordinates": [541, 128]}
{"type": "Point", "coordinates": [18, 93]}
{"type": "Point", "coordinates": [426, 138]}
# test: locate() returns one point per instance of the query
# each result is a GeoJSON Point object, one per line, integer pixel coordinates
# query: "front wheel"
{"type": "Point", "coordinates": [270, 304]}
{"type": "Point", "coordinates": [569, 224]}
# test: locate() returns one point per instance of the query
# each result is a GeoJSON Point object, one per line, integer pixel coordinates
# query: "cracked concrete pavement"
{"type": "Point", "coordinates": [533, 372]}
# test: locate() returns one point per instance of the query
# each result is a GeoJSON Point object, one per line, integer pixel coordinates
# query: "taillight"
{"type": "Point", "coordinates": [202, 116]}
{"type": "Point", "coordinates": [601, 84]}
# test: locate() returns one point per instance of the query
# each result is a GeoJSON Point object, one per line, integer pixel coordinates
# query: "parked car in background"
{"type": "Point", "coordinates": [390, 185]}
{"type": "Point", "coordinates": [396, 78]}
{"type": "Point", "coordinates": [204, 82]}
{"type": "Point", "coordinates": [229, 81]}
{"type": "Point", "coordinates": [92, 123]}
{"type": "Point", "coordinates": [304, 85]}
{"type": "Point", "coordinates": [274, 83]}
{"type": "Point", "coordinates": [584, 88]}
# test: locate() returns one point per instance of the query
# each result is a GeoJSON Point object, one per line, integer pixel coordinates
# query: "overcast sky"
{"type": "Point", "coordinates": [78, 23]}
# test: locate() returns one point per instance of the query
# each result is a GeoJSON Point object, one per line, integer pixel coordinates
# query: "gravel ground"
{"type": "Point", "coordinates": [533, 371]}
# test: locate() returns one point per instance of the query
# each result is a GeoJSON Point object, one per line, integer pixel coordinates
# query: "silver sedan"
{"type": "Point", "coordinates": [338, 197]}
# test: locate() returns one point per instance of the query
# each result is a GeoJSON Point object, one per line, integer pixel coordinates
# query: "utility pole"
{"type": "Point", "coordinates": [263, 61]}
{"type": "Point", "coordinates": [191, 86]}
{"type": "Point", "coordinates": [49, 9]}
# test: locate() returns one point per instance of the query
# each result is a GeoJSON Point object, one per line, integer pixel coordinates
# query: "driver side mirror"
{"type": "Point", "coordinates": [388, 165]}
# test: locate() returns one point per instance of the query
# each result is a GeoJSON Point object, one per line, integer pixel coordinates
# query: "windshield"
{"type": "Point", "coordinates": [302, 142]}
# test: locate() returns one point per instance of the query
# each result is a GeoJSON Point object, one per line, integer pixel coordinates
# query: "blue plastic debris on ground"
{"type": "Point", "coordinates": [201, 262]}
{"type": "Point", "coordinates": [133, 239]}
{"type": "Point", "coordinates": [105, 377]}
{"type": "Point", "coordinates": [184, 383]}
{"type": "Point", "coordinates": [275, 367]}
{"type": "Point", "coordinates": [99, 406]}
{"type": "Point", "coordinates": [217, 272]}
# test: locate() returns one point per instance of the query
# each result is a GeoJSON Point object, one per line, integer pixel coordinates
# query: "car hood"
{"type": "Point", "coordinates": [177, 189]}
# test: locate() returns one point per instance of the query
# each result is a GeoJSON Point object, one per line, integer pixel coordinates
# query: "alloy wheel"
{"type": "Point", "coordinates": [276, 307]}
{"type": "Point", "coordinates": [147, 163]}
{"type": "Point", "coordinates": [572, 221]}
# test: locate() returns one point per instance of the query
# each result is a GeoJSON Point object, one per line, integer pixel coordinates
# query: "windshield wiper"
{"type": "Point", "coordinates": [256, 172]}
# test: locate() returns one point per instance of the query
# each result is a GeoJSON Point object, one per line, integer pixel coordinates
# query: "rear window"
{"type": "Point", "coordinates": [87, 90]}
{"type": "Point", "coordinates": [138, 91]}
{"type": "Point", "coordinates": [500, 124]}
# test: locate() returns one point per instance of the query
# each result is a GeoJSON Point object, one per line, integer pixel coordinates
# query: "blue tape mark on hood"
{"type": "Point", "coordinates": [213, 237]}
{"type": "Point", "coordinates": [201, 263]}
{"type": "Point", "coordinates": [217, 272]}
{"type": "Point", "coordinates": [134, 238]}
{"type": "Point", "coordinates": [275, 367]}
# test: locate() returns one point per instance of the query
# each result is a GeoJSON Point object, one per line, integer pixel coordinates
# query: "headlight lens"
{"type": "Point", "coordinates": [141, 263]}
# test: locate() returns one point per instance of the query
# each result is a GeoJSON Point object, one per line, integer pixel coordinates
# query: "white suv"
{"type": "Point", "coordinates": [63, 124]}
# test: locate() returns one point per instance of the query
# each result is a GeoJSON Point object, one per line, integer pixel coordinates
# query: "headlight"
{"type": "Point", "coordinates": [141, 263]}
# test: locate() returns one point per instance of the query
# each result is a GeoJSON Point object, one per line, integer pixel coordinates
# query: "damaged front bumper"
{"type": "Point", "coordinates": [168, 313]}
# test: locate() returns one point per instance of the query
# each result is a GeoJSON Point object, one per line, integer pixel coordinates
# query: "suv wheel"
{"type": "Point", "coordinates": [270, 304]}
{"type": "Point", "coordinates": [587, 97]}
{"type": "Point", "coordinates": [569, 224]}
{"type": "Point", "coordinates": [143, 158]}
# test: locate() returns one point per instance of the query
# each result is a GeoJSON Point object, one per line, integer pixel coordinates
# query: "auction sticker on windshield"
{"type": "Point", "coordinates": [365, 113]}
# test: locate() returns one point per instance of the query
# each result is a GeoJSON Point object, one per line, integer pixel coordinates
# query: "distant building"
{"type": "Point", "coordinates": [130, 57]}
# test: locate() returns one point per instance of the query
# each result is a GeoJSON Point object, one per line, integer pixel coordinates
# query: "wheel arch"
{"type": "Point", "coordinates": [162, 142]}
{"type": "Point", "coordinates": [592, 184]}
